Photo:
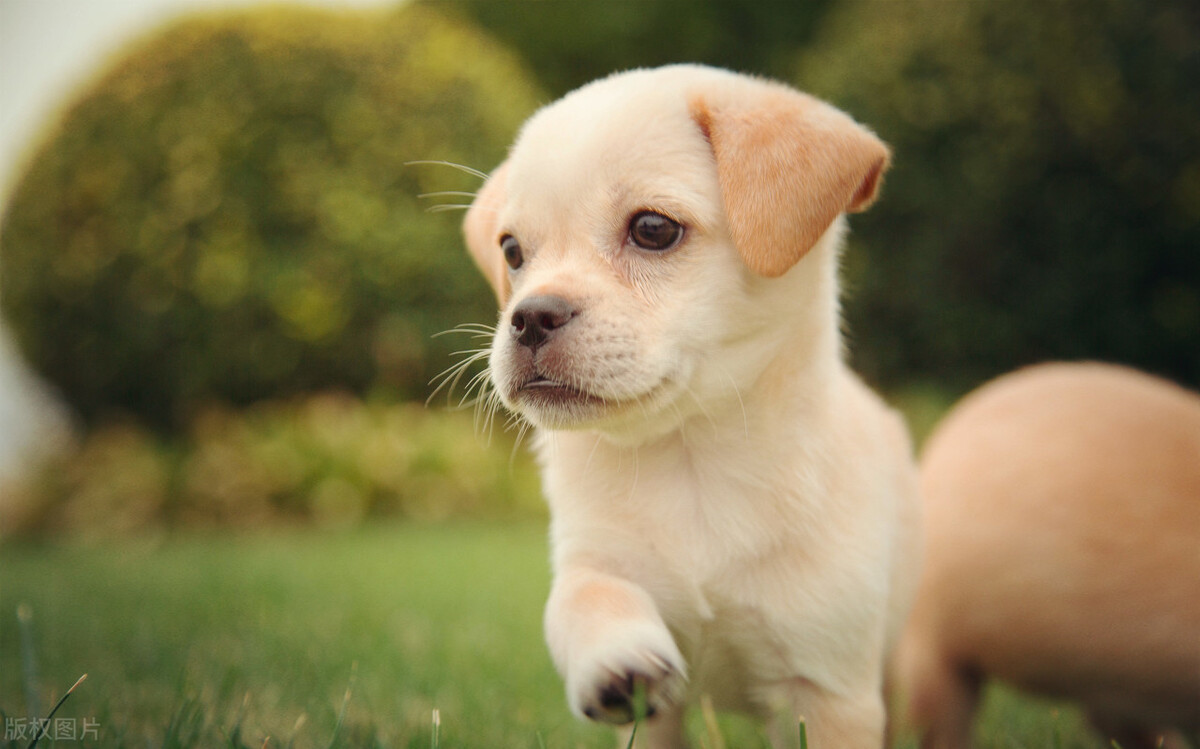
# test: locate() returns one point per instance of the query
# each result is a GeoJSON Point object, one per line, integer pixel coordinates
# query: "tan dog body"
{"type": "Point", "coordinates": [1063, 552]}
{"type": "Point", "coordinates": [732, 510]}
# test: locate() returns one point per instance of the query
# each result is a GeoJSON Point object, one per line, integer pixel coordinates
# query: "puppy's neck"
{"type": "Point", "coordinates": [809, 354]}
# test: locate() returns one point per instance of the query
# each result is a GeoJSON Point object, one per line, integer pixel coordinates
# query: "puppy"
{"type": "Point", "coordinates": [732, 509]}
{"type": "Point", "coordinates": [1063, 553]}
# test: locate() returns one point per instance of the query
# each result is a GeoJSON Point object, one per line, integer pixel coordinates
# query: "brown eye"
{"type": "Point", "coordinates": [512, 251]}
{"type": "Point", "coordinates": [654, 231]}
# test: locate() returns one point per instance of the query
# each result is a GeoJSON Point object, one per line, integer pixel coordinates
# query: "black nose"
{"type": "Point", "coordinates": [536, 318]}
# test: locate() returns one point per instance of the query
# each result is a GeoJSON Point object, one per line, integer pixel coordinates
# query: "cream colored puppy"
{"type": "Point", "coordinates": [732, 509]}
{"type": "Point", "coordinates": [1063, 553]}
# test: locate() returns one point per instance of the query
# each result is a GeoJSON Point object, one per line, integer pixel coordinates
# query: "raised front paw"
{"type": "Point", "coordinates": [605, 684]}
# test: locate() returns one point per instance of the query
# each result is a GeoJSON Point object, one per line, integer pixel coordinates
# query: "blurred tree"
{"type": "Point", "coordinates": [227, 212]}
{"type": "Point", "coordinates": [571, 42]}
{"type": "Point", "coordinates": [1045, 198]}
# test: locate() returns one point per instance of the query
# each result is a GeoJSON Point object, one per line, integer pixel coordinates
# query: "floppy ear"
{"type": "Point", "coordinates": [788, 165]}
{"type": "Point", "coordinates": [481, 229]}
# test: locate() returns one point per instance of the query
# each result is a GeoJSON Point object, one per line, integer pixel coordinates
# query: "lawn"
{"type": "Point", "coordinates": [265, 635]}
{"type": "Point", "coordinates": [319, 639]}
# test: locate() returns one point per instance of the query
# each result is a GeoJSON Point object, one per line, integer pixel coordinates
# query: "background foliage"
{"type": "Point", "coordinates": [227, 213]}
{"type": "Point", "coordinates": [1045, 197]}
{"type": "Point", "coordinates": [328, 460]}
{"type": "Point", "coordinates": [571, 42]}
{"type": "Point", "coordinates": [225, 217]}
{"type": "Point", "coordinates": [1045, 200]}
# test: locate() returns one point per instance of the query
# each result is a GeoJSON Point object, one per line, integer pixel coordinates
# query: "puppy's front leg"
{"type": "Point", "coordinates": [607, 637]}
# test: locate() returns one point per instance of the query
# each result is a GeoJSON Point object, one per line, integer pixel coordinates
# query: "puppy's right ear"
{"type": "Point", "coordinates": [481, 228]}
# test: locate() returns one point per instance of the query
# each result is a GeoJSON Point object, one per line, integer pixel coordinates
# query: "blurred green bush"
{"type": "Point", "coordinates": [571, 42]}
{"type": "Point", "coordinates": [332, 460]}
{"type": "Point", "coordinates": [1045, 196]}
{"type": "Point", "coordinates": [226, 214]}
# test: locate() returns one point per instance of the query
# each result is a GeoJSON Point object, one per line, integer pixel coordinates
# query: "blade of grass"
{"type": "Point", "coordinates": [715, 739]}
{"type": "Point", "coordinates": [435, 739]}
{"type": "Point", "coordinates": [640, 703]}
{"type": "Point", "coordinates": [337, 727]}
{"type": "Point", "coordinates": [235, 733]}
{"type": "Point", "coordinates": [300, 721]}
{"type": "Point", "coordinates": [183, 730]}
{"type": "Point", "coordinates": [803, 734]}
{"type": "Point", "coordinates": [29, 677]}
{"type": "Point", "coordinates": [44, 726]}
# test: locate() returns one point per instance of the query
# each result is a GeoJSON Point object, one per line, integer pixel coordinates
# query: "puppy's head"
{"type": "Point", "coordinates": [643, 237]}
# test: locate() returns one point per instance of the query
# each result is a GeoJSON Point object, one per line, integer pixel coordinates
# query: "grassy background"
{"type": "Point", "coordinates": [263, 632]}
{"type": "Point", "coordinates": [205, 640]}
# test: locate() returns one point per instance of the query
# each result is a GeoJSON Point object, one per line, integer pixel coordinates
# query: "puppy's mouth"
{"type": "Point", "coordinates": [553, 389]}
{"type": "Point", "coordinates": [540, 391]}
{"type": "Point", "coordinates": [554, 404]}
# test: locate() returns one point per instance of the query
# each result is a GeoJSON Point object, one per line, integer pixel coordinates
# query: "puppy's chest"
{"type": "Point", "coordinates": [709, 527]}
{"type": "Point", "coordinates": [700, 524]}
{"type": "Point", "coordinates": [723, 557]}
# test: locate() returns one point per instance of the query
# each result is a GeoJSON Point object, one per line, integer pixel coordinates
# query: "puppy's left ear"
{"type": "Point", "coordinates": [481, 230]}
{"type": "Point", "coordinates": [788, 165]}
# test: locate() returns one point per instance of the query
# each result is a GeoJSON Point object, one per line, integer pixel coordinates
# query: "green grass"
{"type": "Point", "coordinates": [200, 637]}
{"type": "Point", "coordinates": [322, 640]}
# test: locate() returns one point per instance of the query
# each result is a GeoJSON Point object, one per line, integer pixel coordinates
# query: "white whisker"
{"type": "Point", "coordinates": [472, 328]}
{"type": "Point", "coordinates": [460, 167]}
{"type": "Point", "coordinates": [592, 454]}
{"type": "Point", "coordinates": [700, 407]}
{"type": "Point", "coordinates": [636, 470]}
{"type": "Point", "coordinates": [450, 378]}
{"type": "Point", "coordinates": [490, 407]}
{"type": "Point", "coordinates": [479, 382]}
{"type": "Point", "coordinates": [447, 193]}
{"type": "Point", "coordinates": [738, 393]}
{"type": "Point", "coordinates": [523, 427]}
